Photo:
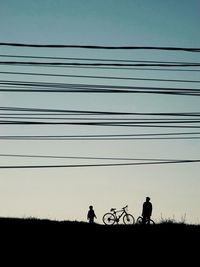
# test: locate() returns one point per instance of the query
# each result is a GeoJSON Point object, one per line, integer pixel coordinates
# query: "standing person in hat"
{"type": "Point", "coordinates": [147, 211]}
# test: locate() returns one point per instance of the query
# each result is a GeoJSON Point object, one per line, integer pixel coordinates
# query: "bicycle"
{"type": "Point", "coordinates": [140, 221]}
{"type": "Point", "coordinates": [110, 218]}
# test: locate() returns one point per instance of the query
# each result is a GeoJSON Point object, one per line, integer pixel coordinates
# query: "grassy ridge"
{"type": "Point", "coordinates": [74, 230]}
{"type": "Point", "coordinates": [34, 224]}
{"type": "Point", "coordinates": [60, 239]}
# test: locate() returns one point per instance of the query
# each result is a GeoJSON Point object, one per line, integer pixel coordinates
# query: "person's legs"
{"type": "Point", "coordinates": [148, 220]}
{"type": "Point", "coordinates": [91, 220]}
{"type": "Point", "coordinates": [144, 220]}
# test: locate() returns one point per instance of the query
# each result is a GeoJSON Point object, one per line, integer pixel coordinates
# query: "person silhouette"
{"type": "Point", "coordinates": [91, 214]}
{"type": "Point", "coordinates": [146, 211]}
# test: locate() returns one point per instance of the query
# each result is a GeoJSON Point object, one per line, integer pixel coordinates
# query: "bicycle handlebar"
{"type": "Point", "coordinates": [114, 209]}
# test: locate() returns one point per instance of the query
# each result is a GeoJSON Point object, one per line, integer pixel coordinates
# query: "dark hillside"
{"type": "Point", "coordinates": [80, 240]}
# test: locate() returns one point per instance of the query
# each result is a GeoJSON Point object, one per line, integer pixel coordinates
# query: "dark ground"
{"type": "Point", "coordinates": [73, 243]}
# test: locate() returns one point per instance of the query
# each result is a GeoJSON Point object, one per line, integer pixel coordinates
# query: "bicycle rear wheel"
{"type": "Point", "coordinates": [109, 219]}
{"type": "Point", "coordinates": [128, 219]}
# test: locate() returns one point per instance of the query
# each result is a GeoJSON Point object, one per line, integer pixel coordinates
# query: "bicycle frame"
{"type": "Point", "coordinates": [112, 217]}
{"type": "Point", "coordinates": [123, 211]}
{"type": "Point", "coordinates": [117, 218]}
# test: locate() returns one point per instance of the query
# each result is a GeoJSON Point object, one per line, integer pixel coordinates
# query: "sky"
{"type": "Point", "coordinates": [65, 193]}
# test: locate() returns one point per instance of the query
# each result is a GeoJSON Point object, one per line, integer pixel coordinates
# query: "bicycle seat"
{"type": "Point", "coordinates": [113, 209]}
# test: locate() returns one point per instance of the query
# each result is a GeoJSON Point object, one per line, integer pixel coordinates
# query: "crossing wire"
{"type": "Point", "coordinates": [98, 77]}
{"type": "Point", "coordinates": [97, 165]}
{"type": "Point", "coordinates": [167, 48]}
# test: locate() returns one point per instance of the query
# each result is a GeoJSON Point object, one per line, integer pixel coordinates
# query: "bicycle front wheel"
{"type": "Point", "coordinates": [128, 219]}
{"type": "Point", "coordinates": [109, 219]}
{"type": "Point", "coordinates": [151, 221]}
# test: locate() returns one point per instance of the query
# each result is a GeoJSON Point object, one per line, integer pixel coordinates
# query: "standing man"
{"type": "Point", "coordinates": [147, 211]}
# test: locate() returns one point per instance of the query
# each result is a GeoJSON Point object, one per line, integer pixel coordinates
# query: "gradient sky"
{"type": "Point", "coordinates": [66, 193]}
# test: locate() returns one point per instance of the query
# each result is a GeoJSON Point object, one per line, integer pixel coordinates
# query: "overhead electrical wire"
{"type": "Point", "coordinates": [97, 165]}
{"type": "Point", "coordinates": [102, 124]}
{"type": "Point", "coordinates": [99, 77]}
{"type": "Point", "coordinates": [184, 92]}
{"type": "Point", "coordinates": [98, 59]}
{"type": "Point", "coordinates": [167, 48]}
{"type": "Point", "coordinates": [88, 138]}
{"type": "Point", "coordinates": [32, 63]}
{"type": "Point", "coordinates": [113, 68]}
{"type": "Point", "coordinates": [25, 86]}
{"type": "Point", "coordinates": [20, 84]}
{"type": "Point", "coordinates": [140, 119]}
{"type": "Point", "coordinates": [93, 112]}
{"type": "Point", "coordinates": [136, 120]}
{"type": "Point", "coordinates": [30, 116]}
{"type": "Point", "coordinates": [85, 157]}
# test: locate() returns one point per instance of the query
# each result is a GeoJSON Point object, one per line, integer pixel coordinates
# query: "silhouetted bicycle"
{"type": "Point", "coordinates": [140, 221]}
{"type": "Point", "coordinates": [110, 218]}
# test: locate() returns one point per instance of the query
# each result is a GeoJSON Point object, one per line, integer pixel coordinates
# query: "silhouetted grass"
{"type": "Point", "coordinates": [45, 226]}
{"type": "Point", "coordinates": [62, 239]}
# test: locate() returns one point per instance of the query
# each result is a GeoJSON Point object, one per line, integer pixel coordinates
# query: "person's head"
{"type": "Point", "coordinates": [90, 207]}
{"type": "Point", "coordinates": [147, 199]}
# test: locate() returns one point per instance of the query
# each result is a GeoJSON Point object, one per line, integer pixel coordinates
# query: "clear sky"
{"type": "Point", "coordinates": [66, 193]}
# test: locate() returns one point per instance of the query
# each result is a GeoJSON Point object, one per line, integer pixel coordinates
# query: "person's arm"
{"type": "Point", "coordinates": [151, 209]}
{"type": "Point", "coordinates": [143, 209]}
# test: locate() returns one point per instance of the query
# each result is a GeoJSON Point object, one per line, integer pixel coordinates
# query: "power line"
{"type": "Point", "coordinates": [75, 157]}
{"type": "Point", "coordinates": [113, 68]}
{"type": "Point", "coordinates": [75, 138]}
{"type": "Point", "coordinates": [97, 165]}
{"type": "Point", "coordinates": [99, 77]}
{"type": "Point", "coordinates": [102, 124]}
{"type": "Point", "coordinates": [98, 59]}
{"type": "Point", "coordinates": [128, 120]}
{"type": "Point", "coordinates": [130, 90]}
{"type": "Point", "coordinates": [10, 83]}
{"type": "Point", "coordinates": [42, 90]}
{"type": "Point", "coordinates": [98, 64]}
{"type": "Point", "coordinates": [19, 86]}
{"type": "Point", "coordinates": [93, 112]}
{"type": "Point", "coordinates": [184, 49]}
